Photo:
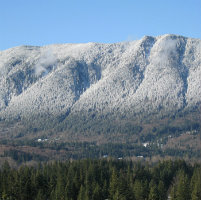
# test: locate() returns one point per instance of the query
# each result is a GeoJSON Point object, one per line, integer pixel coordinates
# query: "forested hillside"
{"type": "Point", "coordinates": [85, 91]}
{"type": "Point", "coordinates": [137, 98]}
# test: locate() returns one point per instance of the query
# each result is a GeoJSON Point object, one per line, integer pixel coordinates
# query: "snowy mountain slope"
{"type": "Point", "coordinates": [155, 75]}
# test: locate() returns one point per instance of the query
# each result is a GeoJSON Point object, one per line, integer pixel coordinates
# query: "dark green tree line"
{"type": "Point", "coordinates": [100, 180]}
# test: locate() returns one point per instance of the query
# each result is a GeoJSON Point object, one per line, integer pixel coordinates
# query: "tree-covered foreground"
{"type": "Point", "coordinates": [100, 180]}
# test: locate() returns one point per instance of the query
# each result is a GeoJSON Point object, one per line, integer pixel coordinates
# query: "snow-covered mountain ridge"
{"type": "Point", "coordinates": [153, 75]}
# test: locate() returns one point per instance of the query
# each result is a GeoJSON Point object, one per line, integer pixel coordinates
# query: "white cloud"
{"type": "Point", "coordinates": [47, 60]}
{"type": "Point", "coordinates": [163, 51]}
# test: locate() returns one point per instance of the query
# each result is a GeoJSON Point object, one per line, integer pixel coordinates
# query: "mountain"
{"type": "Point", "coordinates": [101, 91]}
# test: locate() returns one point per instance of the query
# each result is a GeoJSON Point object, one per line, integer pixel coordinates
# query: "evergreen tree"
{"type": "Point", "coordinates": [40, 195]}
{"type": "Point", "coordinates": [173, 193]}
{"type": "Point", "coordinates": [183, 189]}
{"type": "Point", "coordinates": [196, 193]}
{"type": "Point", "coordinates": [124, 188]}
{"type": "Point", "coordinates": [81, 195]}
{"type": "Point", "coordinates": [97, 195]}
{"type": "Point", "coordinates": [113, 184]}
{"type": "Point", "coordinates": [161, 191]}
{"type": "Point", "coordinates": [153, 191]}
{"type": "Point", "coordinates": [105, 190]}
{"type": "Point", "coordinates": [153, 194]}
{"type": "Point", "coordinates": [196, 184]}
{"type": "Point", "coordinates": [139, 190]}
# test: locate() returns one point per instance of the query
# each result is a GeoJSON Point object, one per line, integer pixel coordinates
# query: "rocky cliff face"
{"type": "Point", "coordinates": [157, 76]}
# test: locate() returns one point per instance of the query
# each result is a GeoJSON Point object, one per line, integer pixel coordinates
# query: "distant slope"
{"type": "Point", "coordinates": [98, 88]}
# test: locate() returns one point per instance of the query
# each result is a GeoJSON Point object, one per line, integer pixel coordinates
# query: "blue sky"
{"type": "Point", "coordinates": [42, 22]}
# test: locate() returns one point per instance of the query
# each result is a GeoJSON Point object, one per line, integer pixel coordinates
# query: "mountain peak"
{"type": "Point", "coordinates": [152, 76]}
